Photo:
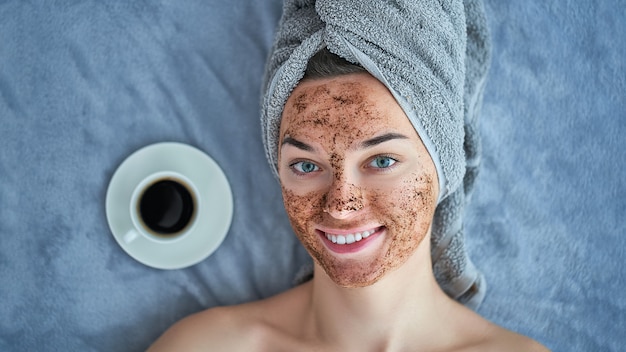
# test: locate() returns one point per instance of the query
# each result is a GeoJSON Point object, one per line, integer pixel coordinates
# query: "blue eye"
{"type": "Point", "coordinates": [304, 167]}
{"type": "Point", "coordinates": [382, 162]}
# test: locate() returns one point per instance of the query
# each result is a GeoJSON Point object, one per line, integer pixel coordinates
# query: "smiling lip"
{"type": "Point", "coordinates": [349, 242]}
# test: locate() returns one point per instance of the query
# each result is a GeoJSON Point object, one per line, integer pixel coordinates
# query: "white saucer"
{"type": "Point", "coordinates": [214, 215]}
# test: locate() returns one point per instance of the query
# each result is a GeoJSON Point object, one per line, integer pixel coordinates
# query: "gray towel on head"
{"type": "Point", "coordinates": [417, 48]}
{"type": "Point", "coordinates": [454, 271]}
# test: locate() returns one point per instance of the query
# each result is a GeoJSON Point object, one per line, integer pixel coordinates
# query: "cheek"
{"type": "Point", "coordinates": [408, 212]}
{"type": "Point", "coordinates": [302, 209]}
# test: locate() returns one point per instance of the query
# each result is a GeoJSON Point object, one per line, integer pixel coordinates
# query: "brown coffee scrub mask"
{"type": "Point", "coordinates": [359, 187]}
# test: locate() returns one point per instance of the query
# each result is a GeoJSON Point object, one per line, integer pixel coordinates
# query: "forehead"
{"type": "Point", "coordinates": [344, 108]}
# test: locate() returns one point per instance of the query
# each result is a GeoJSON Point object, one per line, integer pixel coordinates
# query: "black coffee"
{"type": "Point", "coordinates": [166, 207]}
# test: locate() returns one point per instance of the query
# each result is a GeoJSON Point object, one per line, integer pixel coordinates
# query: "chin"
{"type": "Point", "coordinates": [347, 277]}
{"type": "Point", "coordinates": [357, 284]}
{"type": "Point", "coordinates": [366, 271]}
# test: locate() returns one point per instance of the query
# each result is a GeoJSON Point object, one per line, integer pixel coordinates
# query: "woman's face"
{"type": "Point", "coordinates": [359, 187]}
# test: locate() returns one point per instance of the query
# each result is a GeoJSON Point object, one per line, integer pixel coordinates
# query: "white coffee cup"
{"type": "Point", "coordinates": [163, 208]}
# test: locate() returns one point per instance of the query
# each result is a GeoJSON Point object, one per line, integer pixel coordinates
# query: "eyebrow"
{"type": "Point", "coordinates": [296, 143]}
{"type": "Point", "coordinates": [382, 139]}
{"type": "Point", "coordinates": [365, 144]}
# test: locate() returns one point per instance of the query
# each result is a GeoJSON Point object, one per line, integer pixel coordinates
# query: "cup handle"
{"type": "Point", "coordinates": [130, 236]}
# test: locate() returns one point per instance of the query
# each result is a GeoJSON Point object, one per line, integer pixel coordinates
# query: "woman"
{"type": "Point", "coordinates": [361, 198]}
{"type": "Point", "coordinates": [363, 125]}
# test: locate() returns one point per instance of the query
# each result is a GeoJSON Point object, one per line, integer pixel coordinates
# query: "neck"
{"type": "Point", "coordinates": [405, 305]}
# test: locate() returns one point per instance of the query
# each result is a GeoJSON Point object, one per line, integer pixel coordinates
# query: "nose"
{"type": "Point", "coordinates": [343, 199]}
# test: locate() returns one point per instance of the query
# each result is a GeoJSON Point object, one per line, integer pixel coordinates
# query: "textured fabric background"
{"type": "Point", "coordinates": [83, 84]}
{"type": "Point", "coordinates": [548, 212]}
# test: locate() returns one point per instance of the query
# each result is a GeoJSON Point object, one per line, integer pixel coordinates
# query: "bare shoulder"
{"type": "Point", "coordinates": [500, 339]}
{"type": "Point", "coordinates": [213, 329]}
{"type": "Point", "coordinates": [251, 326]}
{"type": "Point", "coordinates": [516, 342]}
{"type": "Point", "coordinates": [478, 334]}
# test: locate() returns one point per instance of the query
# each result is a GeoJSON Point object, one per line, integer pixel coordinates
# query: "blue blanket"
{"type": "Point", "coordinates": [85, 84]}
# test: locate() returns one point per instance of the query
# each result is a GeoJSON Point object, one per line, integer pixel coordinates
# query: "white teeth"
{"type": "Point", "coordinates": [350, 238]}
